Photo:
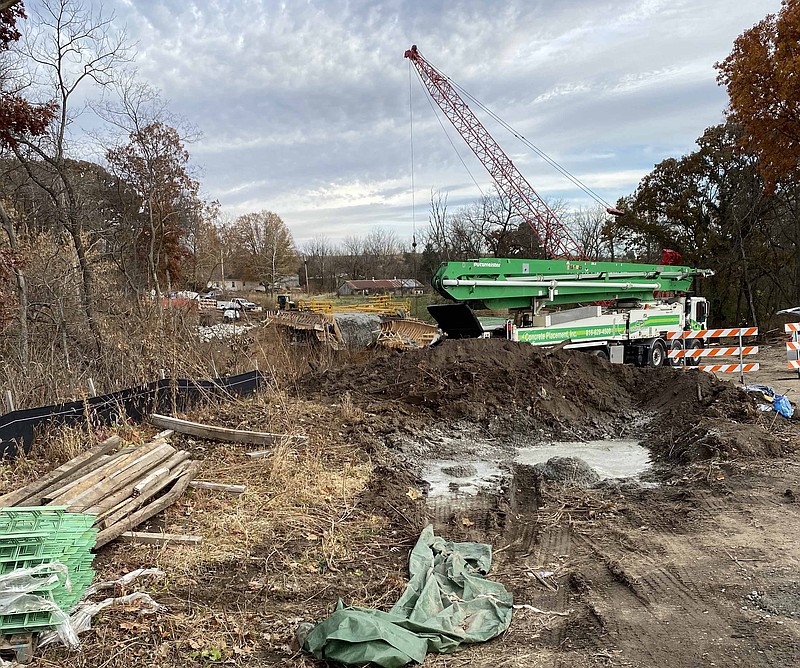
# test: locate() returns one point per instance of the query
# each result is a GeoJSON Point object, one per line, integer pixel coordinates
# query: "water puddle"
{"type": "Point", "coordinates": [487, 472]}
{"type": "Point", "coordinates": [610, 459]}
{"type": "Point", "coordinates": [461, 478]}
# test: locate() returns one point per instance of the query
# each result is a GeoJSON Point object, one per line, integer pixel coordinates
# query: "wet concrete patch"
{"type": "Point", "coordinates": [609, 458]}
{"type": "Point", "coordinates": [491, 467]}
{"type": "Point", "coordinates": [459, 478]}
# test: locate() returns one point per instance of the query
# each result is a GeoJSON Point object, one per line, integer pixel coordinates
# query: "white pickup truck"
{"type": "Point", "coordinates": [238, 303]}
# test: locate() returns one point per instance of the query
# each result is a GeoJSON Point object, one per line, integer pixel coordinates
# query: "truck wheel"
{"type": "Point", "coordinates": [602, 353]}
{"type": "Point", "coordinates": [696, 344]}
{"type": "Point", "coordinates": [658, 354]}
{"type": "Point", "coordinates": [676, 361]}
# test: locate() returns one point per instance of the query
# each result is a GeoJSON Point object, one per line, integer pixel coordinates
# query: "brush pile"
{"type": "Point", "coordinates": [121, 486]}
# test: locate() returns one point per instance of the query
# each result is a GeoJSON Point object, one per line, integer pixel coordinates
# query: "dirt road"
{"type": "Point", "coordinates": [697, 568]}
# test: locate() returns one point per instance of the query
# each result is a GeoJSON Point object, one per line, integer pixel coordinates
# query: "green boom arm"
{"type": "Point", "coordinates": [512, 283]}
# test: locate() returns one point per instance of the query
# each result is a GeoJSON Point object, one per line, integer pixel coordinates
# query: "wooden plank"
{"type": "Point", "coordinates": [215, 433]}
{"type": "Point", "coordinates": [106, 520]}
{"type": "Point", "coordinates": [258, 453]}
{"type": "Point", "coordinates": [23, 493]}
{"type": "Point", "coordinates": [125, 492]}
{"type": "Point", "coordinates": [159, 473]}
{"type": "Point", "coordinates": [38, 499]}
{"type": "Point", "coordinates": [145, 513]}
{"type": "Point", "coordinates": [78, 486]}
{"type": "Point", "coordinates": [115, 481]}
{"type": "Point", "coordinates": [143, 538]}
{"type": "Point", "coordinates": [217, 487]}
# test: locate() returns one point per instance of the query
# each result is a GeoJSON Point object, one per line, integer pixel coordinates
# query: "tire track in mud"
{"type": "Point", "coordinates": [554, 546]}
{"type": "Point", "coordinates": [643, 600]}
{"type": "Point", "coordinates": [637, 597]}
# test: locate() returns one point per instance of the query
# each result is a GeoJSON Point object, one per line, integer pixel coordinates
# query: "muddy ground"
{"type": "Point", "coordinates": [693, 563]}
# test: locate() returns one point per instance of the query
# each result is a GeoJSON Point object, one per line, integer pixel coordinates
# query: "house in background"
{"type": "Point", "coordinates": [236, 285]}
{"type": "Point", "coordinates": [386, 286]}
{"type": "Point", "coordinates": [285, 283]}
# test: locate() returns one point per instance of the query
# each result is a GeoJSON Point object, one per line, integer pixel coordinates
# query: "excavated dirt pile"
{"type": "Point", "coordinates": [516, 388]}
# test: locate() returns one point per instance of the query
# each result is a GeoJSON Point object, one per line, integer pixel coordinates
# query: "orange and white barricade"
{"type": "Point", "coordinates": [793, 346]}
{"type": "Point", "coordinates": [741, 350]}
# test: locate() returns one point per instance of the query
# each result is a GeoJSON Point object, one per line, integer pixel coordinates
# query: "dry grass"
{"type": "Point", "coordinates": [278, 554]}
{"type": "Point", "coordinates": [282, 552]}
{"type": "Point", "coordinates": [294, 494]}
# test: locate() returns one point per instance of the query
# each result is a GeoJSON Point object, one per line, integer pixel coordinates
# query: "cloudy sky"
{"type": "Point", "coordinates": [305, 105]}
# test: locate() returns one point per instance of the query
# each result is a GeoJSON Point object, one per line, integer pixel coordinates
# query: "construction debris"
{"type": "Point", "coordinates": [408, 333]}
{"type": "Point", "coordinates": [214, 433]}
{"type": "Point", "coordinates": [45, 568]}
{"type": "Point", "coordinates": [381, 320]}
{"type": "Point", "coordinates": [304, 325]}
{"type": "Point", "coordinates": [119, 490]}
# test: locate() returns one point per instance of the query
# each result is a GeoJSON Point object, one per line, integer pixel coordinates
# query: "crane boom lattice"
{"type": "Point", "coordinates": [553, 235]}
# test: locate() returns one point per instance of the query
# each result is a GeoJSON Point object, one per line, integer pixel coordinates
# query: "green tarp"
{"type": "Point", "coordinates": [447, 604]}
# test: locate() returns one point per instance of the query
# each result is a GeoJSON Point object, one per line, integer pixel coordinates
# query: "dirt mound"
{"type": "Point", "coordinates": [517, 388]}
{"type": "Point", "coordinates": [477, 379]}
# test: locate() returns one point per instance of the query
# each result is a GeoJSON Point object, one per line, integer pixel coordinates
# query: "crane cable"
{"type": "Point", "coordinates": [437, 114]}
{"type": "Point", "coordinates": [562, 170]}
{"type": "Point", "coordinates": [413, 187]}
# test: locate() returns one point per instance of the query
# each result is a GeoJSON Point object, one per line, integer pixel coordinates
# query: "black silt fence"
{"type": "Point", "coordinates": [17, 428]}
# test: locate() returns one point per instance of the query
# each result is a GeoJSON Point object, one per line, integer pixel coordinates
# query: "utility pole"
{"type": "Point", "coordinates": [308, 287]}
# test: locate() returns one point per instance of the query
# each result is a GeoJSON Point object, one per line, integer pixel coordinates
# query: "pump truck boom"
{"type": "Point", "coordinates": [622, 311]}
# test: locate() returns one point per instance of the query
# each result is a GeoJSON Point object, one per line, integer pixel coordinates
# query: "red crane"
{"type": "Point", "coordinates": [552, 233]}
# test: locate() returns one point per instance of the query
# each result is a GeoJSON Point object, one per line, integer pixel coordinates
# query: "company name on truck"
{"type": "Point", "coordinates": [560, 335]}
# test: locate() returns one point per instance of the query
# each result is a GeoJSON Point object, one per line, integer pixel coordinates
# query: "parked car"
{"type": "Point", "coordinates": [246, 304]}
{"type": "Point", "coordinates": [238, 303]}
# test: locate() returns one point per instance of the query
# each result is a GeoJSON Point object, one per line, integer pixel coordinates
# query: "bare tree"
{"type": "Point", "coordinates": [353, 260]}
{"type": "Point", "coordinates": [317, 258]}
{"type": "Point", "coordinates": [265, 246]}
{"type": "Point", "coordinates": [592, 232]}
{"type": "Point", "coordinates": [70, 47]}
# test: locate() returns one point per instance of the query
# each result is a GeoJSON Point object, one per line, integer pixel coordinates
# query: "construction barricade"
{"type": "Point", "coordinates": [683, 354]}
{"type": "Point", "coordinates": [793, 346]}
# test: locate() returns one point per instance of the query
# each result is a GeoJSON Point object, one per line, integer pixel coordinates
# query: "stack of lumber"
{"type": "Point", "coordinates": [121, 486]}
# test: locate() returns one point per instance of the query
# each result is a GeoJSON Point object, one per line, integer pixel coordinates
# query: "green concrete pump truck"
{"type": "Point", "coordinates": [621, 311]}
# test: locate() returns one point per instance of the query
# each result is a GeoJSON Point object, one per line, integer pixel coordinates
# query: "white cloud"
{"type": "Point", "coordinates": [304, 106]}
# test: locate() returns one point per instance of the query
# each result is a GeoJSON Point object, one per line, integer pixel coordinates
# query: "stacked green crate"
{"type": "Point", "coordinates": [31, 537]}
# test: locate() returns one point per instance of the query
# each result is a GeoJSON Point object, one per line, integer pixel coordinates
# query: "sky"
{"type": "Point", "coordinates": [305, 107]}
